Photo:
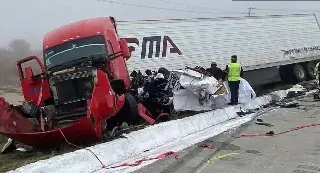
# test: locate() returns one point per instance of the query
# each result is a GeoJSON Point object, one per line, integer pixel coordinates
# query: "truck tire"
{"type": "Point", "coordinates": [299, 73]}
{"type": "Point", "coordinates": [309, 68]}
{"type": "Point", "coordinates": [132, 109]}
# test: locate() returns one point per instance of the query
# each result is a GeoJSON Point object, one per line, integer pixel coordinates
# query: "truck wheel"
{"type": "Point", "coordinates": [309, 68]}
{"type": "Point", "coordinates": [132, 109]}
{"type": "Point", "coordinates": [299, 73]}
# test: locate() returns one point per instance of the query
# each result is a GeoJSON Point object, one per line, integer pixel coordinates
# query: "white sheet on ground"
{"type": "Point", "coordinates": [246, 92]}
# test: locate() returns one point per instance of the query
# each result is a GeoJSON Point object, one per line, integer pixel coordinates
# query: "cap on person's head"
{"type": "Point", "coordinates": [159, 76]}
{"type": "Point", "coordinates": [213, 64]}
{"type": "Point", "coordinates": [234, 57]}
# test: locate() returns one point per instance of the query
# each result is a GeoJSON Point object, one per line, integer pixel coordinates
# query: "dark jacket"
{"type": "Point", "coordinates": [215, 72]}
{"type": "Point", "coordinates": [157, 87]}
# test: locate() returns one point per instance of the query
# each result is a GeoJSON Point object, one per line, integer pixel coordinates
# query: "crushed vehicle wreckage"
{"type": "Point", "coordinates": [83, 92]}
{"type": "Point", "coordinates": [184, 90]}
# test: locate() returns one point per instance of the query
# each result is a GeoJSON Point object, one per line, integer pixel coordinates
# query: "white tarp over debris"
{"type": "Point", "coordinates": [203, 93]}
{"type": "Point", "coordinates": [246, 92]}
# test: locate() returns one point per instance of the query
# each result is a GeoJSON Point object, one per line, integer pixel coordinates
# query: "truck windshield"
{"type": "Point", "coordinates": [74, 50]}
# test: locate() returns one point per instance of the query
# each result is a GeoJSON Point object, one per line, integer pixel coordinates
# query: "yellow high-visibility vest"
{"type": "Point", "coordinates": [234, 72]}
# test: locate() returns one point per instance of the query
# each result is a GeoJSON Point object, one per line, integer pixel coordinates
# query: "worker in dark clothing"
{"type": "Point", "coordinates": [149, 75]}
{"type": "Point", "coordinates": [148, 79]}
{"type": "Point", "coordinates": [156, 88]}
{"type": "Point", "coordinates": [156, 91]}
{"type": "Point", "coordinates": [215, 71]}
{"type": "Point", "coordinates": [134, 83]}
{"type": "Point", "coordinates": [235, 72]}
{"type": "Point", "coordinates": [134, 79]}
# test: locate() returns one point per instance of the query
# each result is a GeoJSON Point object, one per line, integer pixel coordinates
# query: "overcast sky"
{"type": "Point", "coordinates": [31, 19]}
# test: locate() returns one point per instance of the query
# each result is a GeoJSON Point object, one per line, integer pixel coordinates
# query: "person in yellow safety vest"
{"type": "Point", "coordinates": [235, 73]}
{"type": "Point", "coordinates": [316, 73]}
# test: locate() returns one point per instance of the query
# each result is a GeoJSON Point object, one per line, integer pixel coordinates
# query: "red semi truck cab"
{"type": "Point", "coordinates": [82, 85]}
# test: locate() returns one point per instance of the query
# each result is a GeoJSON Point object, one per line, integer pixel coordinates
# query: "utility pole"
{"type": "Point", "coordinates": [249, 11]}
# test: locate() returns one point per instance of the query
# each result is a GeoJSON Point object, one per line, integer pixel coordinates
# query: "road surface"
{"type": "Point", "coordinates": [293, 152]}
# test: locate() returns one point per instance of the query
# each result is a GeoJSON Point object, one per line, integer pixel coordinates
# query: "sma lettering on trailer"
{"type": "Point", "coordinates": [154, 42]}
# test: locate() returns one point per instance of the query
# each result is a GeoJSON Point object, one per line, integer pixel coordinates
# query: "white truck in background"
{"type": "Point", "coordinates": [270, 48]}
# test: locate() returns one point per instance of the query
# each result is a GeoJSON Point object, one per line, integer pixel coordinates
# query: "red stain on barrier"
{"type": "Point", "coordinates": [136, 163]}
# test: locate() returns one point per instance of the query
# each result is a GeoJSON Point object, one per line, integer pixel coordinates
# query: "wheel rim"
{"type": "Point", "coordinates": [300, 73]}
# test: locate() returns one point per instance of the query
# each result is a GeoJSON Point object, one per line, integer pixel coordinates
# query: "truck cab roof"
{"type": "Point", "coordinates": [76, 30]}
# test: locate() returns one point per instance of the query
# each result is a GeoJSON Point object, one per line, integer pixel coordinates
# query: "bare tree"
{"type": "Point", "coordinates": [20, 47]}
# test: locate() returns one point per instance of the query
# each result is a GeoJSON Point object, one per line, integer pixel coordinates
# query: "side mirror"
{"type": "Point", "coordinates": [124, 48]}
{"type": "Point", "coordinates": [29, 74]}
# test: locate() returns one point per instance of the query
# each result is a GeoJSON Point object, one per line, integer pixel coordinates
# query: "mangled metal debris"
{"type": "Point", "coordinates": [199, 92]}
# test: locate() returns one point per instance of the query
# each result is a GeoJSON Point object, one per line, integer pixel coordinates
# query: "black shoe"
{"type": "Point", "coordinates": [230, 103]}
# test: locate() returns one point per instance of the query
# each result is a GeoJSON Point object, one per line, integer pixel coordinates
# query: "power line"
{"type": "Point", "coordinates": [197, 6]}
{"type": "Point", "coordinates": [278, 9]}
{"type": "Point", "coordinates": [161, 8]}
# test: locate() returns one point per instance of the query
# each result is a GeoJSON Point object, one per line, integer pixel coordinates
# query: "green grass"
{"type": "Point", "coordinates": [16, 159]}
{"type": "Point", "coordinates": [3, 139]}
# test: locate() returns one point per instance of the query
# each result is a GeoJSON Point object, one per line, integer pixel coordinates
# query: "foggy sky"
{"type": "Point", "coordinates": [31, 19]}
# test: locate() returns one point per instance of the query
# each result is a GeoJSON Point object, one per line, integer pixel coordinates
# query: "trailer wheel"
{"type": "Point", "coordinates": [299, 73]}
{"type": "Point", "coordinates": [309, 68]}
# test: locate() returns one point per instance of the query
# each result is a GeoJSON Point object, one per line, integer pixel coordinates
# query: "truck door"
{"type": "Point", "coordinates": [33, 80]}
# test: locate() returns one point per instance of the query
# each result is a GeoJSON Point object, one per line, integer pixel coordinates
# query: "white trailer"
{"type": "Point", "coordinates": [269, 48]}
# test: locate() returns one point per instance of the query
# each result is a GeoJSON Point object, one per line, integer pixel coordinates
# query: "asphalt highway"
{"type": "Point", "coordinates": [296, 151]}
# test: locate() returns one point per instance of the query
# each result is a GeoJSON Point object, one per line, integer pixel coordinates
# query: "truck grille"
{"type": "Point", "coordinates": [73, 75]}
{"type": "Point", "coordinates": [73, 87]}
{"type": "Point", "coordinates": [74, 90]}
